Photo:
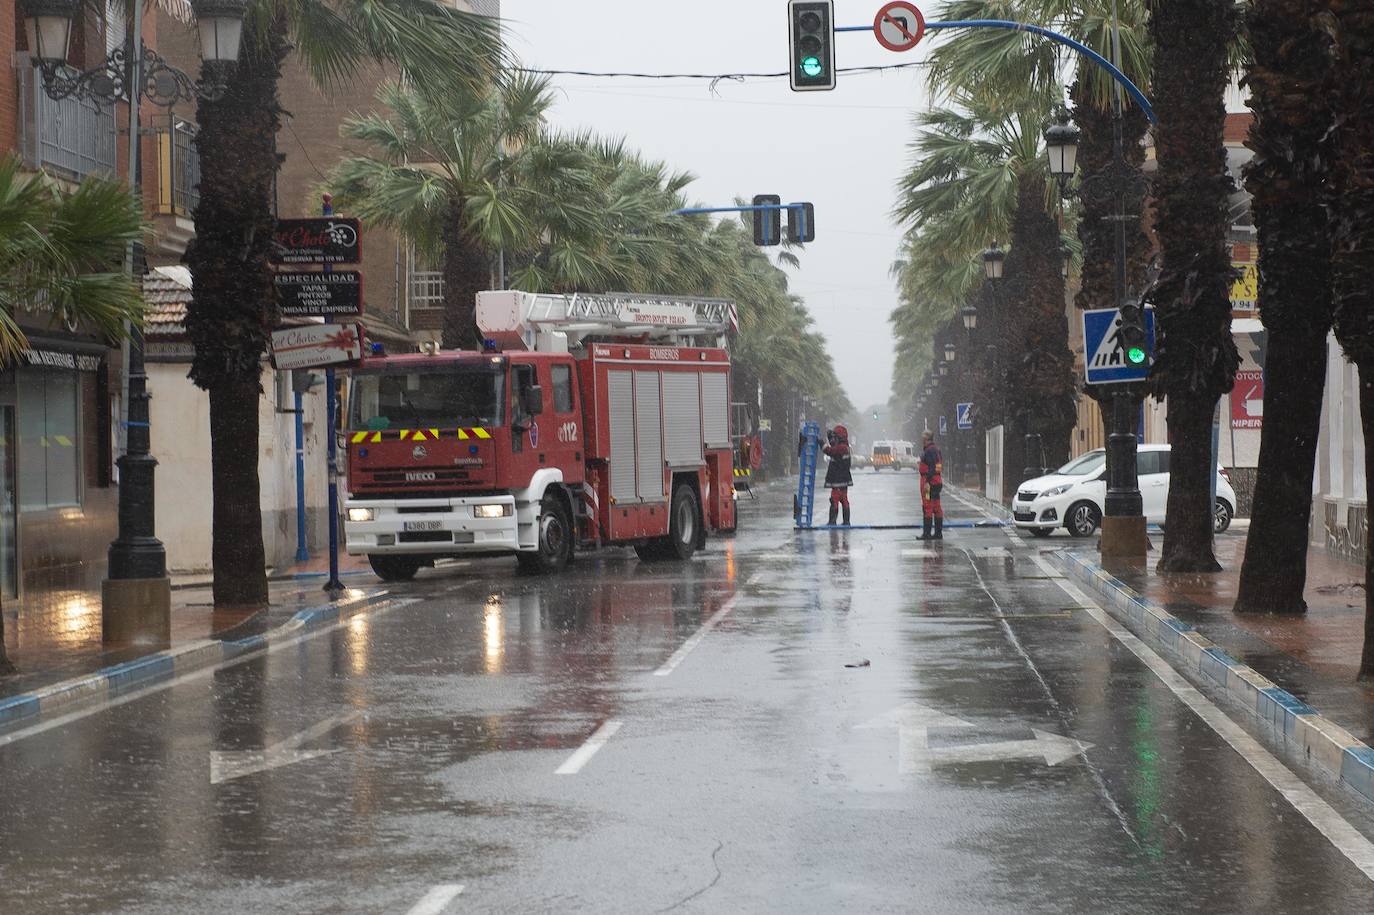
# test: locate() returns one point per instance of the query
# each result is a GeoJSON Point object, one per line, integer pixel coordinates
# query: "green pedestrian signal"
{"type": "Point", "coordinates": [1136, 355]}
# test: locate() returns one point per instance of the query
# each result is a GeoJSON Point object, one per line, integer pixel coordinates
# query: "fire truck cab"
{"type": "Point", "coordinates": [585, 420]}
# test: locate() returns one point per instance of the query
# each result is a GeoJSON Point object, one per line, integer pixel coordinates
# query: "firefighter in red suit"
{"type": "Point", "coordinates": [931, 484]}
{"type": "Point", "coordinates": [838, 478]}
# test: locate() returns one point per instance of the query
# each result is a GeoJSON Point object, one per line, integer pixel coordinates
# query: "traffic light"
{"type": "Point", "coordinates": [811, 39]}
{"type": "Point", "coordinates": [1133, 338]}
{"type": "Point", "coordinates": [801, 223]}
{"type": "Point", "coordinates": [767, 225]}
{"type": "Point", "coordinates": [875, 414]}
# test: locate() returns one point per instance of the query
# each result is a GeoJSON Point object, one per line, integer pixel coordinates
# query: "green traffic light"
{"type": "Point", "coordinates": [1136, 355]}
{"type": "Point", "coordinates": [811, 66]}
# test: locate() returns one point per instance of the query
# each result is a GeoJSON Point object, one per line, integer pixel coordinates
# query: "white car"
{"type": "Point", "coordinates": [1072, 496]}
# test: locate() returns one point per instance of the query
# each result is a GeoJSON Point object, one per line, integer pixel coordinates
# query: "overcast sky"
{"type": "Point", "coordinates": [841, 150]}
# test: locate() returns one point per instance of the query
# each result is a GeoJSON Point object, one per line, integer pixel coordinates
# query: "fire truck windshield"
{"type": "Point", "coordinates": [444, 396]}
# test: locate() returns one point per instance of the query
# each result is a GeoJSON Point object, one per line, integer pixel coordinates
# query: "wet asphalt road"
{"type": "Point", "coordinates": [584, 743]}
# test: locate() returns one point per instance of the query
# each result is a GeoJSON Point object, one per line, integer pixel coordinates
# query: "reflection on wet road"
{"type": "Point", "coordinates": [790, 722]}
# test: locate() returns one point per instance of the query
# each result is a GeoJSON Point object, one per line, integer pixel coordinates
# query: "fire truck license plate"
{"type": "Point", "coordinates": [424, 525]}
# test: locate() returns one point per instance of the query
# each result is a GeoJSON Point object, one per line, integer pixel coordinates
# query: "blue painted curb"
{"type": "Point", "coordinates": [1322, 741]}
{"type": "Point", "coordinates": [124, 677]}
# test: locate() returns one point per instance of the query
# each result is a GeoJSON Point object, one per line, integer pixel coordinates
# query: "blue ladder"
{"type": "Point", "coordinates": [806, 484]}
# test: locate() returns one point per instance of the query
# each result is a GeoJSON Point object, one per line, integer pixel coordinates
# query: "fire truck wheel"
{"type": "Point", "coordinates": [555, 538]}
{"type": "Point", "coordinates": [684, 522]}
{"type": "Point", "coordinates": [394, 568]}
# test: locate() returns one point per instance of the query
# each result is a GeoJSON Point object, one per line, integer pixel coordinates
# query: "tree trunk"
{"type": "Point", "coordinates": [1274, 573]}
{"type": "Point", "coordinates": [1034, 334]}
{"type": "Point", "coordinates": [1286, 179]}
{"type": "Point", "coordinates": [234, 306]}
{"type": "Point", "coordinates": [466, 273]}
{"type": "Point", "coordinates": [237, 500]}
{"type": "Point", "coordinates": [1188, 536]}
{"type": "Point", "coordinates": [1195, 356]}
{"type": "Point", "coordinates": [1351, 209]}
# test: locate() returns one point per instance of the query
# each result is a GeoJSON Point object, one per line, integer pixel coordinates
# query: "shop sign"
{"type": "Point", "coordinates": [51, 359]}
{"type": "Point", "coordinates": [338, 294]}
{"type": "Point", "coordinates": [317, 345]}
{"type": "Point", "coordinates": [317, 240]}
{"type": "Point", "coordinates": [1247, 400]}
{"type": "Point", "coordinates": [1245, 288]}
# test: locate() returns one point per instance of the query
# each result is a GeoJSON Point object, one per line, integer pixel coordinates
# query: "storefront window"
{"type": "Point", "coordinates": [49, 465]}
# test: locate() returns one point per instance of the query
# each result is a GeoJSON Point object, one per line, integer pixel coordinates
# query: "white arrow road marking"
{"type": "Point", "coordinates": [232, 764]}
{"type": "Point", "coordinates": [1054, 748]}
{"type": "Point", "coordinates": [913, 722]}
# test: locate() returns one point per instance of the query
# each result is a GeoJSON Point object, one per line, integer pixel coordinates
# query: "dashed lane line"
{"type": "Point", "coordinates": [583, 754]}
{"type": "Point", "coordinates": [436, 900]}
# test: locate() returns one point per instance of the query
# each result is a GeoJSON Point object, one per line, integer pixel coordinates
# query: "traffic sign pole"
{"type": "Point", "coordinates": [331, 388]}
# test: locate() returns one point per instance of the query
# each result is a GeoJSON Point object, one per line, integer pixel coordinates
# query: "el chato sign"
{"type": "Point", "coordinates": [304, 294]}
{"type": "Point", "coordinates": [317, 240]}
{"type": "Point", "coordinates": [317, 345]}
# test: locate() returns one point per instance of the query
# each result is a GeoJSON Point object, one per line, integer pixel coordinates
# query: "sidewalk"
{"type": "Point", "coordinates": [59, 640]}
{"type": "Point", "coordinates": [1314, 656]}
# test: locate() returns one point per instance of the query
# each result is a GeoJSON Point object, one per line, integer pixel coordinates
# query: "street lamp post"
{"type": "Point", "coordinates": [1123, 526]}
{"type": "Point", "coordinates": [136, 596]}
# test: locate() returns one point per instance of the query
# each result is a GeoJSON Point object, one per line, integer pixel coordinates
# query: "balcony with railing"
{"type": "Point", "coordinates": [69, 137]}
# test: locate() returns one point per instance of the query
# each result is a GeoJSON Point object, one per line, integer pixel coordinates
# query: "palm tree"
{"type": "Point", "coordinates": [234, 300]}
{"type": "Point", "coordinates": [463, 175]}
{"type": "Point", "coordinates": [1351, 208]}
{"type": "Point", "coordinates": [1287, 181]}
{"type": "Point", "coordinates": [978, 172]}
{"type": "Point", "coordinates": [65, 249]}
{"type": "Point", "coordinates": [1196, 358]}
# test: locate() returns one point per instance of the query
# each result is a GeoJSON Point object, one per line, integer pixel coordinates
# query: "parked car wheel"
{"type": "Point", "coordinates": [1082, 519]}
{"type": "Point", "coordinates": [1221, 519]}
{"type": "Point", "coordinates": [394, 568]}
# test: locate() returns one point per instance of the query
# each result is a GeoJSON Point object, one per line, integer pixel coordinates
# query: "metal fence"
{"type": "Point", "coordinates": [69, 137]}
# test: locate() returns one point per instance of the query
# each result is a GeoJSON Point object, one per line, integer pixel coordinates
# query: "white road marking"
{"type": "Point", "coordinates": [203, 672]}
{"type": "Point", "coordinates": [695, 638]}
{"type": "Point", "coordinates": [583, 754]}
{"type": "Point", "coordinates": [1350, 841]}
{"type": "Point", "coordinates": [228, 765]}
{"type": "Point", "coordinates": [917, 554]}
{"type": "Point", "coordinates": [1053, 748]}
{"type": "Point", "coordinates": [436, 900]}
{"type": "Point", "coordinates": [913, 722]}
{"type": "Point", "coordinates": [756, 578]}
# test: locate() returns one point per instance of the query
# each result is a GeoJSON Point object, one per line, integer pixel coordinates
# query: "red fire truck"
{"type": "Point", "coordinates": [586, 420]}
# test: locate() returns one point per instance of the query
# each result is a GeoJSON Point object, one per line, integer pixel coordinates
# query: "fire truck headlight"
{"type": "Point", "coordinates": [491, 511]}
{"type": "Point", "coordinates": [360, 514]}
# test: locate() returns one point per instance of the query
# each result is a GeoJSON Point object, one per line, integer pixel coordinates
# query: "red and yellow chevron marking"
{"type": "Point", "coordinates": [418, 435]}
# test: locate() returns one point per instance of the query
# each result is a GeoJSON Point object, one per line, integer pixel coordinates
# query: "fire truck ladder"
{"type": "Point", "coordinates": [806, 482]}
{"type": "Point", "coordinates": [669, 319]}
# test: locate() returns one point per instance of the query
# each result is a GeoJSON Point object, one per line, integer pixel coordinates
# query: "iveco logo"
{"type": "Point", "coordinates": [419, 453]}
{"type": "Point", "coordinates": [420, 476]}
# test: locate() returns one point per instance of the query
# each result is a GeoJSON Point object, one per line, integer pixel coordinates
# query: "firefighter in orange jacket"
{"type": "Point", "coordinates": [931, 484]}
{"type": "Point", "coordinates": [838, 477]}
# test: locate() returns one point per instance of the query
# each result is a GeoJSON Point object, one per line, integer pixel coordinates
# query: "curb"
{"type": "Point", "coordinates": [1345, 758]}
{"type": "Point", "coordinates": [124, 677]}
{"type": "Point", "coordinates": [285, 576]}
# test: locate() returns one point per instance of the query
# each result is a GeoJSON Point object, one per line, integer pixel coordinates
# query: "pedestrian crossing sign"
{"type": "Point", "coordinates": [1104, 350]}
{"type": "Point", "coordinates": [963, 416]}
